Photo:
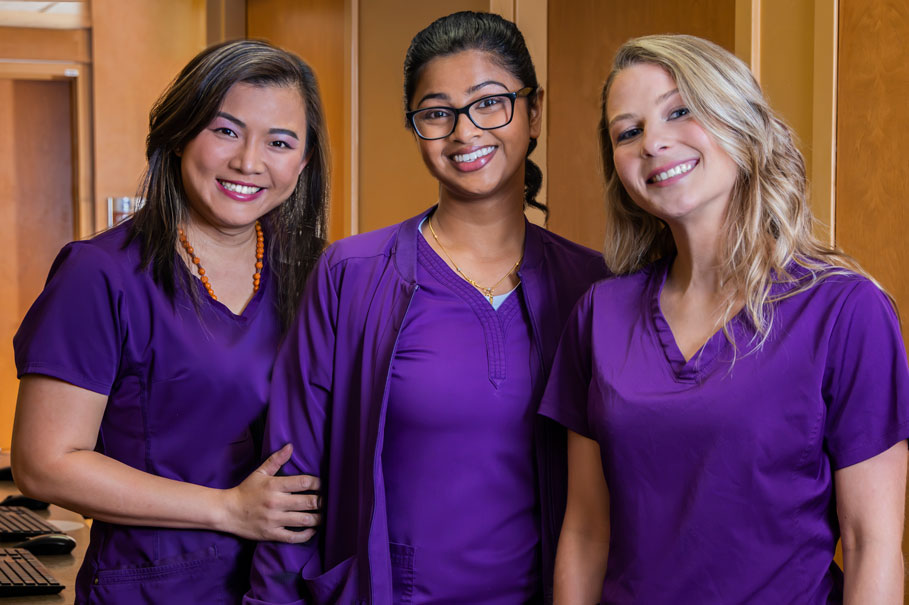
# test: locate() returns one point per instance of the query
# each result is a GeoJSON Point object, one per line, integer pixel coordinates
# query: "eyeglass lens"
{"type": "Point", "coordinates": [486, 113]}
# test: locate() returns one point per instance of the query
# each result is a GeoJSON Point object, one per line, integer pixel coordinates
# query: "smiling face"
{"type": "Point", "coordinates": [247, 160]}
{"type": "Point", "coordinates": [669, 165]}
{"type": "Point", "coordinates": [472, 163]}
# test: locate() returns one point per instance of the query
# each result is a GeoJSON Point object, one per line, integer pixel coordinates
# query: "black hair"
{"type": "Point", "coordinates": [486, 32]}
{"type": "Point", "coordinates": [295, 230]}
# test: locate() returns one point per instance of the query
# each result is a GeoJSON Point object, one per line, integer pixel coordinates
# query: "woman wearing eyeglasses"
{"type": "Point", "coordinates": [412, 379]}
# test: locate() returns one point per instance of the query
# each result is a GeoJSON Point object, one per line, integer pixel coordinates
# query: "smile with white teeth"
{"type": "Point", "coordinates": [674, 171]}
{"type": "Point", "coordinates": [241, 189]}
{"type": "Point", "coordinates": [470, 157]}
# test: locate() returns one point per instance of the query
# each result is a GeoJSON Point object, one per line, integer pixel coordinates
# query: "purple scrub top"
{"type": "Point", "coordinates": [720, 474]}
{"type": "Point", "coordinates": [186, 392]}
{"type": "Point", "coordinates": [458, 461]}
{"type": "Point", "coordinates": [330, 396]}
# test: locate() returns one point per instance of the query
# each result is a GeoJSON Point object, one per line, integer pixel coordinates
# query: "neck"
{"type": "Point", "coordinates": [224, 240]}
{"type": "Point", "coordinates": [484, 227]}
{"type": "Point", "coordinates": [697, 266]}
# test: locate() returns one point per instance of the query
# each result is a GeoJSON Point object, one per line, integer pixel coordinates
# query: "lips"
{"type": "Point", "coordinates": [474, 158]}
{"type": "Point", "coordinates": [240, 191]}
{"type": "Point", "coordinates": [671, 172]}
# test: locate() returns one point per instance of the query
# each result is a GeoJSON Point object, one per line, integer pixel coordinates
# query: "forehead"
{"type": "Point", "coordinates": [282, 103]}
{"type": "Point", "coordinates": [637, 87]}
{"type": "Point", "coordinates": [453, 75]}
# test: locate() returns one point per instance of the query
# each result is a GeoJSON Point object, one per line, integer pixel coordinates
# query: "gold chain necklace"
{"type": "Point", "coordinates": [257, 275]}
{"type": "Point", "coordinates": [487, 292]}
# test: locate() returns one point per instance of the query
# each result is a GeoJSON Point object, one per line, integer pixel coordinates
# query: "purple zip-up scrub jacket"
{"type": "Point", "coordinates": [720, 474]}
{"type": "Point", "coordinates": [186, 400]}
{"type": "Point", "coordinates": [330, 393]}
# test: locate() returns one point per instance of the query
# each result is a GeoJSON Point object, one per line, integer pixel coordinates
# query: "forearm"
{"type": "Point", "coordinates": [98, 486]}
{"type": "Point", "coordinates": [873, 574]}
{"type": "Point", "coordinates": [580, 567]}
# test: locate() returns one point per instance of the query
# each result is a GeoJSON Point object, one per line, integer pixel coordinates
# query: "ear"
{"type": "Point", "coordinates": [536, 114]}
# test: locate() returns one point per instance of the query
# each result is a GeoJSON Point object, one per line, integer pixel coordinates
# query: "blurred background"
{"type": "Point", "coordinates": [77, 80]}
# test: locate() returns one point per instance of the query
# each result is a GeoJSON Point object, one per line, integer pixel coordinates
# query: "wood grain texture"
{"type": "Point", "coordinates": [583, 37]}
{"type": "Point", "coordinates": [315, 30]}
{"type": "Point", "coordinates": [871, 177]}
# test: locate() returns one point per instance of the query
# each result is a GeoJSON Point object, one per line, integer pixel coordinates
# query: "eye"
{"type": "Point", "coordinates": [434, 114]}
{"type": "Point", "coordinates": [281, 144]}
{"type": "Point", "coordinates": [679, 113]}
{"type": "Point", "coordinates": [628, 134]}
{"type": "Point", "coordinates": [488, 102]}
{"type": "Point", "coordinates": [225, 131]}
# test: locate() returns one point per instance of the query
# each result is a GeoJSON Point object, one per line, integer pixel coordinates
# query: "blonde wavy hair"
{"type": "Point", "coordinates": [768, 228]}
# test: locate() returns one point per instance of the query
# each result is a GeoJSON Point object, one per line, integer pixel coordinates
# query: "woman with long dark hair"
{"type": "Point", "coordinates": [145, 362]}
{"type": "Point", "coordinates": [411, 381]}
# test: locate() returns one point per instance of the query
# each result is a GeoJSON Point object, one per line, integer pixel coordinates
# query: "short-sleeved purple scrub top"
{"type": "Point", "coordinates": [458, 460]}
{"type": "Point", "coordinates": [720, 474]}
{"type": "Point", "coordinates": [186, 392]}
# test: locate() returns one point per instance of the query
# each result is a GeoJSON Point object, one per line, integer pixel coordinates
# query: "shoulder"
{"type": "Point", "coordinates": [370, 245]}
{"type": "Point", "coordinates": [837, 288]}
{"type": "Point", "coordinates": [571, 260]}
{"type": "Point", "coordinates": [106, 254]}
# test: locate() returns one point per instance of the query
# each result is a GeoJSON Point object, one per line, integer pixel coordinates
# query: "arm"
{"type": "Point", "coordinates": [66, 470]}
{"type": "Point", "coordinates": [584, 542]}
{"type": "Point", "coordinates": [300, 404]}
{"type": "Point", "coordinates": [870, 504]}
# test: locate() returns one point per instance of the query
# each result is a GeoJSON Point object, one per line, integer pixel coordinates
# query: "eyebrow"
{"type": "Point", "coordinates": [242, 124]}
{"type": "Point", "coordinates": [471, 90]}
{"type": "Point", "coordinates": [660, 99]}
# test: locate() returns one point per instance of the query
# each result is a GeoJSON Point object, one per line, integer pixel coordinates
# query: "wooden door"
{"type": "Point", "coordinates": [36, 207]}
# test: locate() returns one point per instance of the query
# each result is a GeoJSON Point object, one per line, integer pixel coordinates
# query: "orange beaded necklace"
{"type": "Point", "coordinates": [260, 254]}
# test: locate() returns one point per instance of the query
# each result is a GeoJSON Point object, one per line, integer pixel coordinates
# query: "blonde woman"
{"type": "Point", "coordinates": [737, 396]}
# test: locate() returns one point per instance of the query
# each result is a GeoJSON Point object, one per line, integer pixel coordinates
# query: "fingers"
{"type": "Point", "coordinates": [274, 462]}
{"type": "Point", "coordinates": [298, 483]}
{"type": "Point", "coordinates": [292, 537]}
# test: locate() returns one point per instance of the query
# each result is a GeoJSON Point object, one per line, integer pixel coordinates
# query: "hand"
{"type": "Point", "coordinates": [264, 506]}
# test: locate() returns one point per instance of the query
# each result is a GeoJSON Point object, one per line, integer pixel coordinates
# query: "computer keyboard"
{"type": "Point", "coordinates": [18, 523]}
{"type": "Point", "coordinates": [21, 574]}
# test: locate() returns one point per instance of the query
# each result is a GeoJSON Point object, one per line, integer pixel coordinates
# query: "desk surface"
{"type": "Point", "coordinates": [63, 567]}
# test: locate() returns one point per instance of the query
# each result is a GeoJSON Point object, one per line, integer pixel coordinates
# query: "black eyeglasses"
{"type": "Point", "coordinates": [486, 113]}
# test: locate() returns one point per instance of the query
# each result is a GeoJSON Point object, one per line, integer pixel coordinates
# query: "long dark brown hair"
{"type": "Point", "coordinates": [295, 230]}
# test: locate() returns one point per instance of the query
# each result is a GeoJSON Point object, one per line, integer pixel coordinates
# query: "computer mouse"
{"type": "Point", "coordinates": [20, 500]}
{"type": "Point", "coordinates": [48, 544]}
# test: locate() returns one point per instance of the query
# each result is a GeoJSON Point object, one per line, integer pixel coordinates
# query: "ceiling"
{"type": "Point", "coordinates": [69, 14]}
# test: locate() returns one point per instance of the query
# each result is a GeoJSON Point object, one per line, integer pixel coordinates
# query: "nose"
{"type": "Point", "coordinates": [654, 140]}
{"type": "Point", "coordinates": [464, 128]}
{"type": "Point", "coordinates": [248, 159]}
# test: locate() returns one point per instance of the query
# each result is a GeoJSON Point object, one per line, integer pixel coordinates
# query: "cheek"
{"type": "Point", "coordinates": [626, 169]}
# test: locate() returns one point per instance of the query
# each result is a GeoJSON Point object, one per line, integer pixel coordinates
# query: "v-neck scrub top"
{"type": "Point", "coordinates": [186, 393]}
{"type": "Point", "coordinates": [458, 460]}
{"type": "Point", "coordinates": [720, 474]}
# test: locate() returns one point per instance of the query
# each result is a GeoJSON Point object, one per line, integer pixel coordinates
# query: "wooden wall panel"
{"type": "Point", "coordinates": [871, 179]}
{"type": "Point", "coordinates": [36, 188]}
{"type": "Point", "coordinates": [394, 184]}
{"type": "Point", "coordinates": [137, 49]}
{"type": "Point", "coordinates": [871, 175]}
{"type": "Point", "coordinates": [316, 30]}
{"type": "Point", "coordinates": [583, 37]}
